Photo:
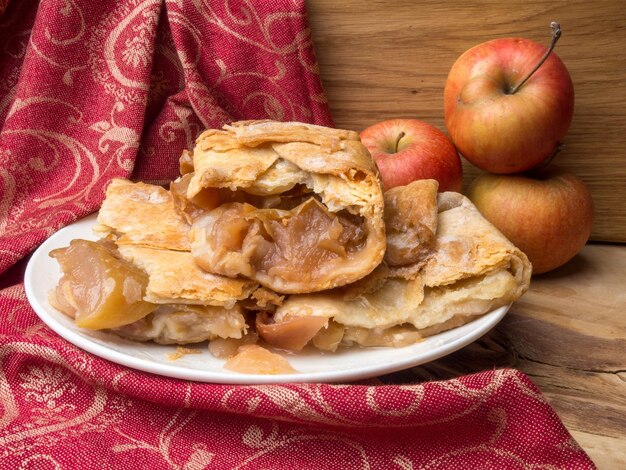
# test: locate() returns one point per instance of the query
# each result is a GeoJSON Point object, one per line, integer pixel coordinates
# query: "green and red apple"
{"type": "Point", "coordinates": [503, 113]}
{"type": "Point", "coordinates": [406, 150]}
{"type": "Point", "coordinates": [548, 216]}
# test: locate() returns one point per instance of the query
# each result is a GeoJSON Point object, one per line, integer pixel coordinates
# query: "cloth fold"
{"type": "Point", "coordinates": [90, 91]}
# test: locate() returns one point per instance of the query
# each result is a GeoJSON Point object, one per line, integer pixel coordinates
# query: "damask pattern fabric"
{"type": "Point", "coordinates": [90, 91]}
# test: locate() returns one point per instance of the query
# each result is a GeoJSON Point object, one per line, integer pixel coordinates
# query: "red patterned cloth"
{"type": "Point", "coordinates": [95, 90]}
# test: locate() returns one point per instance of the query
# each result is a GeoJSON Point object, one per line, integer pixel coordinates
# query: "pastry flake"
{"type": "Point", "coordinates": [173, 277]}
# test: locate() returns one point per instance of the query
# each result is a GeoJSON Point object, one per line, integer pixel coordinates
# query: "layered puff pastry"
{"type": "Point", "coordinates": [149, 231]}
{"type": "Point", "coordinates": [140, 279]}
{"type": "Point", "coordinates": [143, 215]}
{"type": "Point", "coordinates": [464, 269]}
{"type": "Point", "coordinates": [298, 207]}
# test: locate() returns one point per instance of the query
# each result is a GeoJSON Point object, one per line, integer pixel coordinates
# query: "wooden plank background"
{"type": "Point", "coordinates": [386, 59]}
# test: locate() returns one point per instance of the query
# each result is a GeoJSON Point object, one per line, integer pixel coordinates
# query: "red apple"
{"type": "Point", "coordinates": [548, 216]}
{"type": "Point", "coordinates": [406, 150]}
{"type": "Point", "coordinates": [497, 120]}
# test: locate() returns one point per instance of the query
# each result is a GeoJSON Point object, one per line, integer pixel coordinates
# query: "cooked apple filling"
{"type": "Point", "coordinates": [98, 289]}
{"type": "Point", "coordinates": [300, 206]}
{"type": "Point", "coordinates": [254, 359]}
{"type": "Point", "coordinates": [410, 222]}
{"type": "Point", "coordinates": [205, 200]}
{"type": "Point", "coordinates": [183, 324]}
{"type": "Point", "coordinates": [101, 290]}
{"type": "Point", "coordinates": [306, 244]}
{"type": "Point", "coordinates": [208, 199]}
{"type": "Point", "coordinates": [469, 269]}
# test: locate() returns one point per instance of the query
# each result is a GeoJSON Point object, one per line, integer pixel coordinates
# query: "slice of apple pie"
{"type": "Point", "coordinates": [102, 289]}
{"type": "Point", "coordinates": [297, 207]}
{"type": "Point", "coordinates": [466, 269]}
{"type": "Point", "coordinates": [141, 283]}
{"type": "Point", "coordinates": [281, 231]}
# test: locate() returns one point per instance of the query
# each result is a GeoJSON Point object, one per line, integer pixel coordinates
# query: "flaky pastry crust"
{"type": "Point", "coordinates": [142, 214]}
{"type": "Point", "coordinates": [472, 270]}
{"type": "Point", "coordinates": [267, 158]}
{"type": "Point", "coordinates": [173, 277]}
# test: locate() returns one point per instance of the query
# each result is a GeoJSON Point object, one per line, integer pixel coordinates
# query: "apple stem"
{"type": "Point", "coordinates": [402, 134]}
{"type": "Point", "coordinates": [556, 34]}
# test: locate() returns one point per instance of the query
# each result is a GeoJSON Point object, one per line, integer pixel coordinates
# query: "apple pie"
{"type": "Point", "coordinates": [141, 294]}
{"type": "Point", "coordinates": [467, 269]}
{"type": "Point", "coordinates": [140, 279]}
{"type": "Point", "coordinates": [298, 208]}
{"type": "Point", "coordinates": [281, 231]}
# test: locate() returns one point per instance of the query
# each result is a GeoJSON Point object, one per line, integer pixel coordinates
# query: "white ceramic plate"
{"type": "Point", "coordinates": [42, 274]}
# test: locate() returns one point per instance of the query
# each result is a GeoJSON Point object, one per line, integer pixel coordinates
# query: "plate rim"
{"type": "Point", "coordinates": [485, 323]}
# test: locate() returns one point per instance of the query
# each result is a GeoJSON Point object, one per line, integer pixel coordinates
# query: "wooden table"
{"type": "Point", "coordinates": [385, 59]}
{"type": "Point", "coordinates": [568, 333]}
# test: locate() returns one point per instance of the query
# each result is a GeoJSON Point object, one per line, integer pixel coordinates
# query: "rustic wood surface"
{"type": "Point", "coordinates": [568, 333]}
{"type": "Point", "coordinates": [386, 59]}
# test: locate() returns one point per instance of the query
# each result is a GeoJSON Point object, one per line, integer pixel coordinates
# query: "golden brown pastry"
{"type": "Point", "coordinates": [142, 214]}
{"type": "Point", "coordinates": [173, 277]}
{"type": "Point", "coordinates": [301, 205]}
{"type": "Point", "coordinates": [472, 270]}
